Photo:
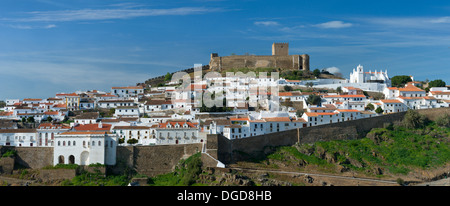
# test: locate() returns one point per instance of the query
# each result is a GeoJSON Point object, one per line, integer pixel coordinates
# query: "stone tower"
{"type": "Point", "coordinates": [281, 49]}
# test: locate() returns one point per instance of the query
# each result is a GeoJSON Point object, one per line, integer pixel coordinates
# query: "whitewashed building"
{"type": "Point", "coordinates": [46, 133]}
{"type": "Point", "coordinates": [18, 137]}
{"type": "Point", "coordinates": [85, 148]}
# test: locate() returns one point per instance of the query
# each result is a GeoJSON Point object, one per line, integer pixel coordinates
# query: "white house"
{"type": "Point", "coordinates": [393, 105]}
{"type": "Point", "coordinates": [176, 132]}
{"type": "Point", "coordinates": [139, 133]}
{"type": "Point", "coordinates": [46, 133]}
{"type": "Point", "coordinates": [87, 118]}
{"type": "Point", "coordinates": [411, 91]}
{"type": "Point", "coordinates": [114, 103]}
{"type": "Point", "coordinates": [127, 91]}
{"type": "Point", "coordinates": [85, 148]}
{"type": "Point", "coordinates": [132, 111]}
{"type": "Point", "coordinates": [18, 137]}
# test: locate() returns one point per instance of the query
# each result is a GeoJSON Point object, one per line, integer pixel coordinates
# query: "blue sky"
{"type": "Point", "coordinates": [51, 46]}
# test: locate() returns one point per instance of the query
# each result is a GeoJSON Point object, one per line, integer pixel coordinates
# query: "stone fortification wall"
{"type": "Point", "coordinates": [31, 157]}
{"type": "Point", "coordinates": [292, 62]}
{"type": "Point", "coordinates": [254, 147]}
{"type": "Point", "coordinates": [153, 160]}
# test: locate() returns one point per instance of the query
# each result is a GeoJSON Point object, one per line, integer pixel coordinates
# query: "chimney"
{"type": "Point", "coordinates": [100, 125]}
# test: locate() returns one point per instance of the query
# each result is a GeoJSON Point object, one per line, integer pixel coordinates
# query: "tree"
{"type": "Point", "coordinates": [314, 99]}
{"type": "Point", "coordinates": [379, 110]}
{"type": "Point", "coordinates": [369, 107]}
{"type": "Point", "coordinates": [316, 72]}
{"type": "Point", "coordinates": [168, 77]}
{"type": "Point", "coordinates": [339, 90]}
{"type": "Point", "coordinates": [436, 83]}
{"type": "Point", "coordinates": [132, 141]}
{"type": "Point", "coordinates": [287, 88]}
{"type": "Point", "coordinates": [400, 81]}
{"type": "Point", "coordinates": [49, 119]}
{"type": "Point", "coordinates": [30, 119]}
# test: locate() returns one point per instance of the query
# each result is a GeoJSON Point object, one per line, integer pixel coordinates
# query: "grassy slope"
{"type": "Point", "coordinates": [394, 150]}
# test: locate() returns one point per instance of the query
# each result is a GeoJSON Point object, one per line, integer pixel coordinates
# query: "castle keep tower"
{"type": "Point", "coordinates": [281, 49]}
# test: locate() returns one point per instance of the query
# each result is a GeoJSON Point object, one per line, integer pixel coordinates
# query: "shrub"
{"type": "Point", "coordinates": [443, 120]}
{"type": "Point", "coordinates": [414, 120]}
{"type": "Point", "coordinates": [10, 153]}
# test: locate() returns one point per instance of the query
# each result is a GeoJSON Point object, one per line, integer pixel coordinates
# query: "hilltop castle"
{"type": "Point", "coordinates": [280, 58]}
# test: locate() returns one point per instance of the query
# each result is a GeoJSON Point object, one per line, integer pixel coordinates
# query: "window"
{"type": "Point", "coordinates": [99, 143]}
{"type": "Point", "coordinates": [93, 143]}
{"type": "Point", "coordinates": [73, 143]}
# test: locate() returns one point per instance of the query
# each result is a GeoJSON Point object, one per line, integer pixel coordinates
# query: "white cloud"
{"type": "Point", "coordinates": [445, 19]}
{"type": "Point", "coordinates": [18, 26]}
{"type": "Point", "coordinates": [334, 25]}
{"type": "Point", "coordinates": [333, 70]}
{"type": "Point", "coordinates": [50, 26]}
{"type": "Point", "coordinates": [267, 23]}
{"type": "Point", "coordinates": [106, 14]}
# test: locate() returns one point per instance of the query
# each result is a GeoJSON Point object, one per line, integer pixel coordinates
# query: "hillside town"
{"type": "Point", "coordinates": [85, 127]}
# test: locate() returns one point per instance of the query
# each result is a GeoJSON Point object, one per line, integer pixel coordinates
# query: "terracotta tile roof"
{"type": "Point", "coordinates": [92, 127]}
{"type": "Point", "coordinates": [52, 126]}
{"type": "Point", "coordinates": [277, 119]}
{"type": "Point", "coordinates": [158, 102]}
{"type": "Point", "coordinates": [131, 127]}
{"type": "Point", "coordinates": [81, 133]}
{"type": "Point", "coordinates": [51, 113]}
{"type": "Point", "coordinates": [410, 88]}
{"type": "Point", "coordinates": [348, 110]}
{"type": "Point", "coordinates": [17, 130]}
{"type": "Point", "coordinates": [29, 99]}
{"type": "Point", "coordinates": [390, 101]}
{"type": "Point", "coordinates": [282, 94]}
{"type": "Point", "coordinates": [239, 119]}
{"type": "Point", "coordinates": [6, 113]}
{"type": "Point", "coordinates": [315, 114]}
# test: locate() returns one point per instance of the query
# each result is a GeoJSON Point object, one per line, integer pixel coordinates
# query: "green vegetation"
{"type": "Point", "coordinates": [395, 149]}
{"type": "Point", "coordinates": [97, 179]}
{"type": "Point", "coordinates": [10, 153]}
{"type": "Point", "coordinates": [436, 83]}
{"type": "Point", "coordinates": [314, 99]}
{"type": "Point", "coordinates": [400, 81]}
{"type": "Point", "coordinates": [185, 174]}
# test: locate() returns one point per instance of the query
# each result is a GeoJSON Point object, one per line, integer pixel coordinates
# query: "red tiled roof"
{"type": "Point", "coordinates": [390, 101]}
{"type": "Point", "coordinates": [277, 119]}
{"type": "Point", "coordinates": [52, 126]}
{"type": "Point", "coordinates": [92, 127]}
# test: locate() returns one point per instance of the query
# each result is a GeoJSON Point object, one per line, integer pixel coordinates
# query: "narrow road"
{"type": "Point", "coordinates": [318, 175]}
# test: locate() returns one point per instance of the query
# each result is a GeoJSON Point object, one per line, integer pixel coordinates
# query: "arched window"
{"type": "Point", "coordinates": [68, 143]}
{"type": "Point", "coordinates": [73, 143]}
{"type": "Point", "coordinates": [59, 143]}
{"type": "Point", "coordinates": [112, 143]}
{"type": "Point", "coordinates": [84, 144]}
{"type": "Point", "coordinates": [93, 143]}
{"type": "Point", "coordinates": [99, 143]}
